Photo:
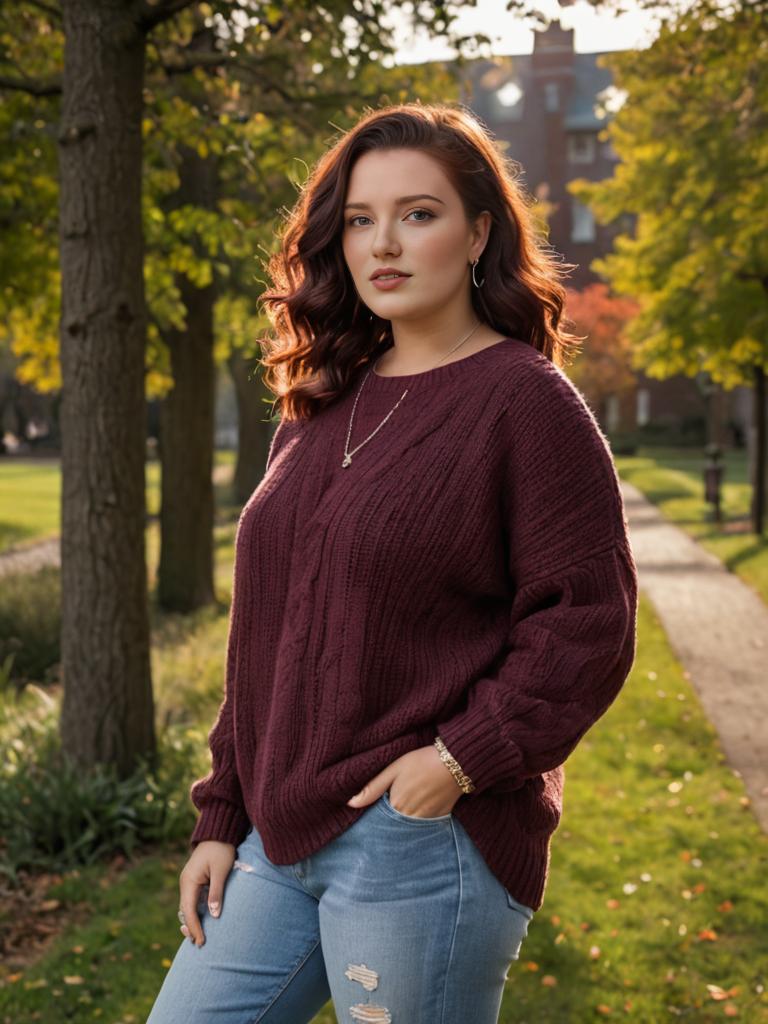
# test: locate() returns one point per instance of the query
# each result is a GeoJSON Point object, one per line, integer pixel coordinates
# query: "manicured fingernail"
{"type": "Point", "coordinates": [214, 908]}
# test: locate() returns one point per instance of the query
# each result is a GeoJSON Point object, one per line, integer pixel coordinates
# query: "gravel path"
{"type": "Point", "coordinates": [718, 627]}
{"type": "Point", "coordinates": [30, 558]}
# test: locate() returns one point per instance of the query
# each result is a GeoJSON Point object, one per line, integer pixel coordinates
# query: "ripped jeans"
{"type": "Point", "coordinates": [399, 920]}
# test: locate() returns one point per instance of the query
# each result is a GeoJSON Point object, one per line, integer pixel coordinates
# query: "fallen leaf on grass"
{"type": "Point", "coordinates": [549, 980]}
{"type": "Point", "coordinates": [730, 1010]}
{"type": "Point", "coordinates": [716, 992]}
{"type": "Point", "coordinates": [603, 1008]}
{"type": "Point", "coordinates": [725, 906]}
{"type": "Point", "coordinates": [708, 935]}
{"type": "Point", "coordinates": [612, 904]}
{"type": "Point", "coordinates": [73, 979]}
{"type": "Point", "coordinates": [531, 965]}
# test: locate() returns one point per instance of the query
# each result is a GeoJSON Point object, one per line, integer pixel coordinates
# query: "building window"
{"type": "Point", "coordinates": [581, 148]}
{"type": "Point", "coordinates": [582, 223]}
{"type": "Point", "coordinates": [643, 406]}
{"type": "Point", "coordinates": [508, 101]}
{"type": "Point", "coordinates": [551, 96]}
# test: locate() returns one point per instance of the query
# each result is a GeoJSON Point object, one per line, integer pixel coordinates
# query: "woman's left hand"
{"type": "Point", "coordinates": [423, 786]}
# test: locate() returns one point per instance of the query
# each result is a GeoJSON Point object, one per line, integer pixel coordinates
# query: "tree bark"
{"type": "Point", "coordinates": [759, 426]}
{"type": "Point", "coordinates": [107, 712]}
{"type": "Point", "coordinates": [185, 574]}
{"type": "Point", "coordinates": [254, 429]}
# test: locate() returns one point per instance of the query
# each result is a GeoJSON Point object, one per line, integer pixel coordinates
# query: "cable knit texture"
{"type": "Point", "coordinates": [469, 574]}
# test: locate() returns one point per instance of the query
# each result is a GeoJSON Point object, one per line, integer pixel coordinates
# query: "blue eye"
{"type": "Point", "coordinates": [428, 216]}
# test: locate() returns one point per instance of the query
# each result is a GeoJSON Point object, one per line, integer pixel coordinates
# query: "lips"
{"type": "Point", "coordinates": [386, 273]}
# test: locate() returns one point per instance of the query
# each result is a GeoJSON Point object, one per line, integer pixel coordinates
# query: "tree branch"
{"type": "Point", "coordinates": [149, 14]}
{"type": "Point", "coordinates": [49, 9]}
{"type": "Point", "coordinates": [192, 61]}
{"type": "Point", "coordinates": [33, 86]}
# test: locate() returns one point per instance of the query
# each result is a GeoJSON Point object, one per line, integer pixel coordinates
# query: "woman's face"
{"type": "Point", "coordinates": [401, 211]}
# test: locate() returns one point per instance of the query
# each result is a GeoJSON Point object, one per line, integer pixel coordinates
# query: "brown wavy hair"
{"type": "Point", "coordinates": [325, 334]}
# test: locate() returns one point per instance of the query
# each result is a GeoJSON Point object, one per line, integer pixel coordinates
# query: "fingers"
{"type": "Point", "coordinates": [188, 890]}
{"type": "Point", "coordinates": [219, 873]}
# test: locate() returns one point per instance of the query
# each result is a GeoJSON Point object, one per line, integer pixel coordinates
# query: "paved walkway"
{"type": "Point", "coordinates": [33, 556]}
{"type": "Point", "coordinates": [718, 627]}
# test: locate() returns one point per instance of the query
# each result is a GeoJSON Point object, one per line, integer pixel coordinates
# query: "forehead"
{"type": "Point", "coordinates": [385, 174]}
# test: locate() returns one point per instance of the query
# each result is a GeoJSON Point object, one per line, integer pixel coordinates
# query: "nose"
{"type": "Point", "coordinates": [385, 243]}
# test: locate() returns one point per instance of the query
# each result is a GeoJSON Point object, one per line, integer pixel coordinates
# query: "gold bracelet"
{"type": "Point", "coordinates": [465, 783]}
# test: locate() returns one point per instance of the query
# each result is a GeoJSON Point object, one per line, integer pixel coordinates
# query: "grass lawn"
{"type": "Point", "coordinates": [30, 496]}
{"type": "Point", "coordinates": [673, 480]}
{"type": "Point", "coordinates": [655, 908]}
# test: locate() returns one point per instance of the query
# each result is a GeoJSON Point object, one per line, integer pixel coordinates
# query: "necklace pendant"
{"type": "Point", "coordinates": [347, 461]}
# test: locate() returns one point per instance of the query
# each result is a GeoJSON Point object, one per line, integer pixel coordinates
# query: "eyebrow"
{"type": "Point", "coordinates": [398, 202]}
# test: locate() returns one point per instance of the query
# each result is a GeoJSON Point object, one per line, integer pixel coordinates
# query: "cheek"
{"type": "Point", "coordinates": [352, 253]}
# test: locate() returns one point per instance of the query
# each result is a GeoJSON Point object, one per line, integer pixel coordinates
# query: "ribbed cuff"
{"type": "Point", "coordinates": [223, 821]}
{"type": "Point", "coordinates": [475, 740]}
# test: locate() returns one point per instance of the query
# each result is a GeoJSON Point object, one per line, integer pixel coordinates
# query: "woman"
{"type": "Point", "coordinates": [434, 599]}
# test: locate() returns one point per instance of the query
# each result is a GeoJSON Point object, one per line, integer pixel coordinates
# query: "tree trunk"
{"type": "Point", "coordinates": [759, 427]}
{"type": "Point", "coordinates": [254, 429]}
{"type": "Point", "coordinates": [185, 573]}
{"type": "Point", "coordinates": [107, 712]}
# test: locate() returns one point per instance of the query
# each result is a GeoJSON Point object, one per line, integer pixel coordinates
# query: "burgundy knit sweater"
{"type": "Point", "coordinates": [469, 574]}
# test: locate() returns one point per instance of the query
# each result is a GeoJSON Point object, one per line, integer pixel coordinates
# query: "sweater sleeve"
{"type": "Point", "coordinates": [572, 622]}
{"type": "Point", "coordinates": [218, 796]}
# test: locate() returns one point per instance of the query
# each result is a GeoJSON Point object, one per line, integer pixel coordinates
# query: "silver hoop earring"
{"type": "Point", "coordinates": [474, 279]}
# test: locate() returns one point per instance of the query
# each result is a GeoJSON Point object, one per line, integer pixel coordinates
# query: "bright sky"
{"type": "Point", "coordinates": [510, 34]}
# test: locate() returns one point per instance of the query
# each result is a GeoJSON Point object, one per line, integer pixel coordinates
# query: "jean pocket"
{"type": "Point", "coordinates": [526, 911]}
{"type": "Point", "coordinates": [412, 819]}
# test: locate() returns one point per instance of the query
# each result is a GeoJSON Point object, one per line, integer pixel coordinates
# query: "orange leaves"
{"type": "Point", "coordinates": [720, 994]}
{"type": "Point", "coordinates": [715, 992]}
{"type": "Point", "coordinates": [548, 980]}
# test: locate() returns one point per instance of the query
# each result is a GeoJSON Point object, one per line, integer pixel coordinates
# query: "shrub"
{"type": "Point", "coordinates": [30, 623]}
{"type": "Point", "coordinates": [55, 817]}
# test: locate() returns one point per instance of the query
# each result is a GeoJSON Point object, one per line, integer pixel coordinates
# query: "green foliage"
{"type": "Point", "coordinates": [693, 149]}
{"type": "Point", "coordinates": [248, 110]}
{"type": "Point", "coordinates": [30, 622]}
{"type": "Point", "coordinates": [54, 816]}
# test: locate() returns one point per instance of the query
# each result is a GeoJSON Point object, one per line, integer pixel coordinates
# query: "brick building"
{"type": "Point", "coordinates": [550, 106]}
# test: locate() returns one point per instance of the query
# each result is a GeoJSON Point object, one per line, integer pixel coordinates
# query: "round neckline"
{"type": "Point", "coordinates": [445, 370]}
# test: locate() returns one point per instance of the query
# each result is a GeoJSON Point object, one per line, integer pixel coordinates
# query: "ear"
{"type": "Point", "coordinates": [479, 235]}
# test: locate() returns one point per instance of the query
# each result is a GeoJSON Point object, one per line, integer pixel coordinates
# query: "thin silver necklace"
{"type": "Point", "coordinates": [347, 453]}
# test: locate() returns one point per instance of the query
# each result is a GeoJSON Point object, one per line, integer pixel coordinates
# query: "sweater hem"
{"type": "Point", "coordinates": [518, 860]}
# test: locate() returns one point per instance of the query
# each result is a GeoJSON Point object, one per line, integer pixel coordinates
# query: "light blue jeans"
{"type": "Point", "coordinates": [398, 919]}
